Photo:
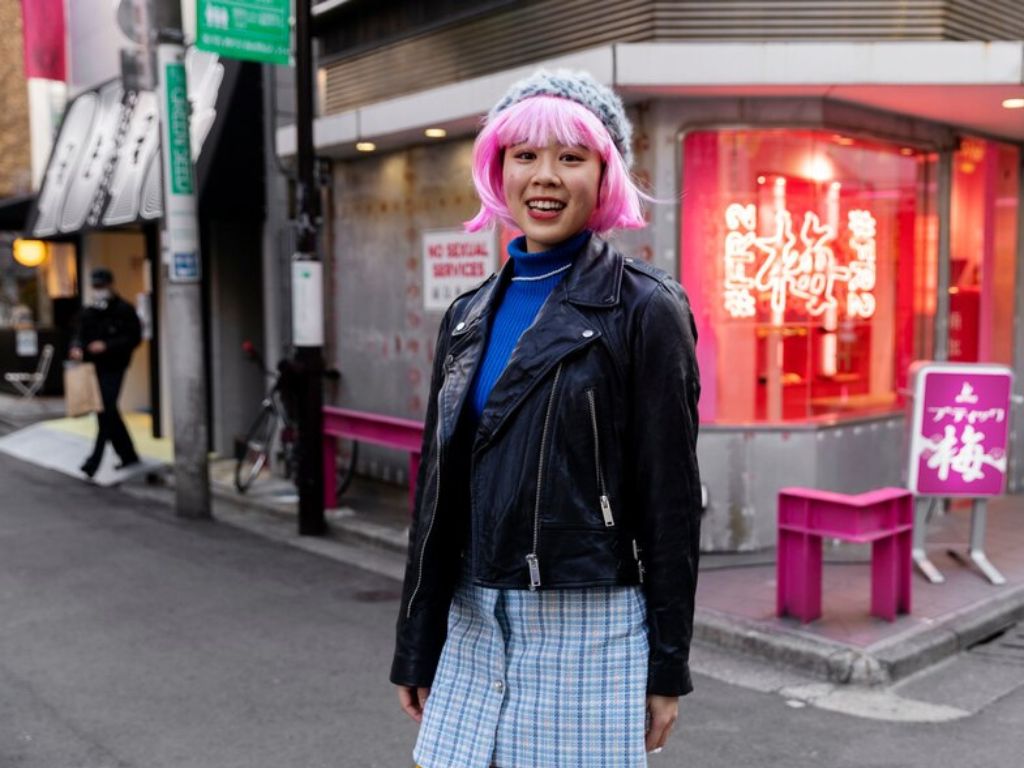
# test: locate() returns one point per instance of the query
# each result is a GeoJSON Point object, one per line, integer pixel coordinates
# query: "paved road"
{"type": "Point", "coordinates": [129, 638]}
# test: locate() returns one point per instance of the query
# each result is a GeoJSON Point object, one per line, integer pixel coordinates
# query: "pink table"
{"type": "Point", "coordinates": [389, 431]}
{"type": "Point", "coordinates": [885, 518]}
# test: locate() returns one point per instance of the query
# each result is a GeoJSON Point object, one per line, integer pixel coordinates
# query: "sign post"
{"type": "Point", "coordinates": [180, 247]}
{"type": "Point", "coordinates": [256, 30]}
{"type": "Point", "coordinates": [958, 444]}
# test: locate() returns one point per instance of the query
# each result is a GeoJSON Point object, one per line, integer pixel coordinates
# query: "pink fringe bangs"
{"type": "Point", "coordinates": [542, 120]}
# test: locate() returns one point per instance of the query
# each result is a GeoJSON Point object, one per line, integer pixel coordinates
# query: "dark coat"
{"type": "Point", "coordinates": [583, 468]}
{"type": "Point", "coordinates": [117, 325]}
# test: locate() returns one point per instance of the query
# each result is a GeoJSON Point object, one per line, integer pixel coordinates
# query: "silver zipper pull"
{"type": "Point", "coordinates": [534, 565]}
{"type": "Point", "coordinates": [606, 511]}
{"type": "Point", "coordinates": [639, 562]}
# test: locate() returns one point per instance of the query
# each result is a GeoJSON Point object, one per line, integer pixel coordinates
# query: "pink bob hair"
{"type": "Point", "coordinates": [539, 120]}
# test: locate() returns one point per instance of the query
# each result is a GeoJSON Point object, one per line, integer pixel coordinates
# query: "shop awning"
{"type": "Point", "coordinates": [104, 169]}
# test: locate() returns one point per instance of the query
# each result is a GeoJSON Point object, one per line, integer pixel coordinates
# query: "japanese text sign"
{"type": "Point", "coordinates": [453, 262]}
{"type": "Point", "coordinates": [257, 30]}
{"type": "Point", "coordinates": [800, 267]}
{"type": "Point", "coordinates": [960, 429]}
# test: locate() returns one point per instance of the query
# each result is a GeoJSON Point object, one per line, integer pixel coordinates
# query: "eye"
{"type": "Point", "coordinates": [524, 154]}
{"type": "Point", "coordinates": [572, 157]}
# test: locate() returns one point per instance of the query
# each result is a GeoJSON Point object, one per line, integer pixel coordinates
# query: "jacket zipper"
{"type": "Point", "coordinates": [531, 559]}
{"type": "Point", "coordinates": [430, 527]}
{"type": "Point", "coordinates": [606, 505]}
{"type": "Point", "coordinates": [639, 563]}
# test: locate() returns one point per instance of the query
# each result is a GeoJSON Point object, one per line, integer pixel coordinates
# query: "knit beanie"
{"type": "Point", "coordinates": [584, 90]}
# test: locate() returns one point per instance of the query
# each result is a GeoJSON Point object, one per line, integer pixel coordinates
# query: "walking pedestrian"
{"type": "Point", "coordinates": [107, 333]}
{"type": "Point", "coordinates": [547, 609]}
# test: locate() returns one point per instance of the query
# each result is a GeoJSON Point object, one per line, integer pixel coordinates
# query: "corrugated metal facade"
{"type": "Point", "coordinates": [533, 31]}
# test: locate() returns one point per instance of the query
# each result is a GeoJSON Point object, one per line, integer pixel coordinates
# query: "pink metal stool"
{"type": "Point", "coordinates": [884, 517]}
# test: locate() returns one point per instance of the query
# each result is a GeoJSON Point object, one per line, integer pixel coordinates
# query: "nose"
{"type": "Point", "coordinates": [546, 172]}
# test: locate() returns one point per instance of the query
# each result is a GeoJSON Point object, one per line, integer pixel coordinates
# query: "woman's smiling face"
{"type": "Point", "coordinates": [551, 191]}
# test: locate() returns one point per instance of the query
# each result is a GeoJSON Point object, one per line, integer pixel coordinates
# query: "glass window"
{"type": "Point", "coordinates": [983, 243]}
{"type": "Point", "coordinates": [809, 257]}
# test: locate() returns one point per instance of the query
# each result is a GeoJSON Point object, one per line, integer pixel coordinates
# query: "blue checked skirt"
{"type": "Point", "coordinates": [546, 679]}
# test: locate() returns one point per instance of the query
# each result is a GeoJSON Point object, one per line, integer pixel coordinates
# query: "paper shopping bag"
{"type": "Point", "coordinates": [81, 389]}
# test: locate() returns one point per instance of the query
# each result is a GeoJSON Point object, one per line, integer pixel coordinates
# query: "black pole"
{"type": "Point", "coordinates": [308, 359]}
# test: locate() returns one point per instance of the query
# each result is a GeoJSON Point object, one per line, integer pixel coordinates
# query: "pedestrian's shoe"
{"type": "Point", "coordinates": [89, 468]}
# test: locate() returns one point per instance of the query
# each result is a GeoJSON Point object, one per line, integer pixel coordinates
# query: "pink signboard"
{"type": "Point", "coordinates": [960, 430]}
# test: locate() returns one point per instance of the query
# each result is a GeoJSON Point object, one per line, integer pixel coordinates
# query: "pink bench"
{"type": "Point", "coordinates": [885, 518]}
{"type": "Point", "coordinates": [389, 431]}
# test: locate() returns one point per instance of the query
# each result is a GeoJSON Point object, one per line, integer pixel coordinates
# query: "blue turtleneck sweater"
{"type": "Point", "coordinates": [534, 276]}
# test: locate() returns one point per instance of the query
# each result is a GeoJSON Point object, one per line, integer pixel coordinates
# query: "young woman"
{"type": "Point", "coordinates": [548, 600]}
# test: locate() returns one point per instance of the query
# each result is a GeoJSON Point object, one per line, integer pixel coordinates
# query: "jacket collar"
{"type": "Point", "coordinates": [595, 280]}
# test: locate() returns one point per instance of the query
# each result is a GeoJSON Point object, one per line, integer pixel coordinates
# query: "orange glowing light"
{"type": "Point", "coordinates": [30, 253]}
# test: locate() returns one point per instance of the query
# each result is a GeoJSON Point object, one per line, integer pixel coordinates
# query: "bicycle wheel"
{"type": "Point", "coordinates": [348, 457]}
{"type": "Point", "coordinates": [257, 449]}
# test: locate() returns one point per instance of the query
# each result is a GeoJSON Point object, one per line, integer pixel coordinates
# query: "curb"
{"type": "Point", "coordinates": [882, 664]}
{"type": "Point", "coordinates": [343, 521]}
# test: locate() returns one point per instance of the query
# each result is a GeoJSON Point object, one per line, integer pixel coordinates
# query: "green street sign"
{"type": "Point", "coordinates": [256, 30]}
{"type": "Point", "coordinates": [179, 151]}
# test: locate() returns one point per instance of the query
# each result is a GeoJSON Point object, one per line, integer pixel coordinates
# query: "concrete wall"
{"type": "Point", "coordinates": [15, 159]}
{"type": "Point", "coordinates": [236, 315]}
{"type": "Point", "coordinates": [743, 470]}
{"type": "Point", "coordinates": [381, 337]}
{"type": "Point", "coordinates": [378, 332]}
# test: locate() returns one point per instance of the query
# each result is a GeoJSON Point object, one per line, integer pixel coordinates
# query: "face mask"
{"type": "Point", "coordinates": [100, 295]}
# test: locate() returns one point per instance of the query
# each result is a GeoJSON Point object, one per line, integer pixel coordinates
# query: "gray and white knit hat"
{"type": "Point", "coordinates": [584, 90]}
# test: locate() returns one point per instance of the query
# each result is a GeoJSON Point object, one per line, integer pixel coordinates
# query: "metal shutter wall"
{"type": "Point", "coordinates": [546, 28]}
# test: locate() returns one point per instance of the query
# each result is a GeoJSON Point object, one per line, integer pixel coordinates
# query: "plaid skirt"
{"type": "Point", "coordinates": [546, 679]}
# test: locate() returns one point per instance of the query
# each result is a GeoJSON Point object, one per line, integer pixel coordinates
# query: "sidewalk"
{"type": "Point", "coordinates": [736, 592]}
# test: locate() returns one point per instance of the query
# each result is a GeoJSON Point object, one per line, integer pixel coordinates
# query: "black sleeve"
{"type": "Point", "coordinates": [666, 387]}
{"type": "Point", "coordinates": [420, 637]}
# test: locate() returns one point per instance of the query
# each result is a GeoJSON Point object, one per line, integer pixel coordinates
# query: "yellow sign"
{"type": "Point", "coordinates": [30, 253]}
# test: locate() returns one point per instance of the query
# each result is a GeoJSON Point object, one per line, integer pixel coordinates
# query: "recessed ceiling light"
{"type": "Point", "coordinates": [1014, 103]}
{"type": "Point", "coordinates": [844, 141]}
{"type": "Point", "coordinates": [906, 151]}
{"type": "Point", "coordinates": [435, 133]}
{"type": "Point", "coordinates": [365, 146]}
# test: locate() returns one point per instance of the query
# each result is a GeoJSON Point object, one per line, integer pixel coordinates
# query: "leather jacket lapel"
{"type": "Point", "coordinates": [559, 330]}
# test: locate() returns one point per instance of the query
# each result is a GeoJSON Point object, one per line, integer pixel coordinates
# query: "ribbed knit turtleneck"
{"type": "Point", "coordinates": [534, 276]}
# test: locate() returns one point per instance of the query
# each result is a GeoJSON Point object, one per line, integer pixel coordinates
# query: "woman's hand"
{"type": "Point", "coordinates": [662, 712]}
{"type": "Point", "coordinates": [413, 700]}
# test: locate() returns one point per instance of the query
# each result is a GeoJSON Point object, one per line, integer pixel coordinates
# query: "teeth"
{"type": "Point", "coordinates": [546, 205]}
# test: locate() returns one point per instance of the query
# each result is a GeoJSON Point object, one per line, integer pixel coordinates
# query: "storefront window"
{"type": "Point", "coordinates": [983, 241]}
{"type": "Point", "coordinates": [809, 257]}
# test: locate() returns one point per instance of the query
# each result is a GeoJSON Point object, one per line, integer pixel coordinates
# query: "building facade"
{"type": "Point", "coordinates": [839, 190]}
{"type": "Point", "coordinates": [100, 204]}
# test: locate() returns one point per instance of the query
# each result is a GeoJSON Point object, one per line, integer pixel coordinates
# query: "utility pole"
{"type": "Point", "coordinates": [159, 23]}
{"type": "Point", "coordinates": [307, 293]}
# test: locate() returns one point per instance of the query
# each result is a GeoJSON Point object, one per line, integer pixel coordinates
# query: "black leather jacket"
{"type": "Point", "coordinates": [117, 325]}
{"type": "Point", "coordinates": [583, 469]}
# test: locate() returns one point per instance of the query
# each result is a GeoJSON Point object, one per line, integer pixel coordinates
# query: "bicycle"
{"type": "Point", "coordinates": [277, 408]}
